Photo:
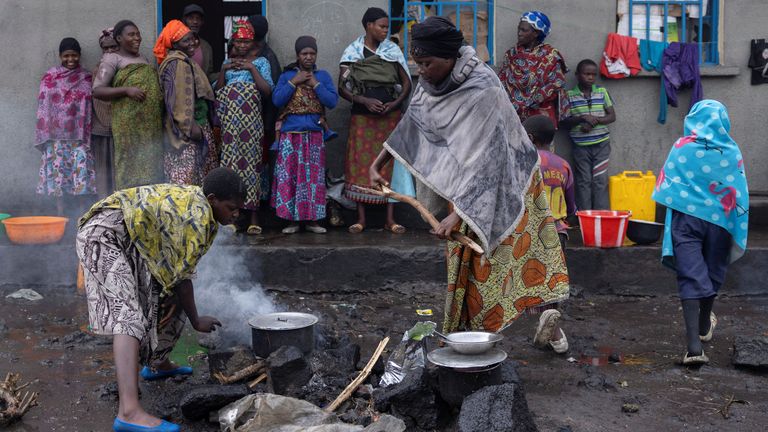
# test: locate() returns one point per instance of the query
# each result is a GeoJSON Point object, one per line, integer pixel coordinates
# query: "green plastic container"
{"type": "Point", "coordinates": [2, 225]}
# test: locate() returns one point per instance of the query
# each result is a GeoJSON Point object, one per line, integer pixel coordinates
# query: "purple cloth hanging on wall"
{"type": "Point", "coordinates": [680, 66]}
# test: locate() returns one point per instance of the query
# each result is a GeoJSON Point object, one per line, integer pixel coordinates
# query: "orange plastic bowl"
{"type": "Point", "coordinates": [35, 229]}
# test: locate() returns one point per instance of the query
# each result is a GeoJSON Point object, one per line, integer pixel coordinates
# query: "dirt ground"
{"type": "Point", "coordinates": [74, 374]}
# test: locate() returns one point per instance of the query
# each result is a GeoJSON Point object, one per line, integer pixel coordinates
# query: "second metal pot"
{"type": "Point", "coordinates": [272, 331]}
{"type": "Point", "coordinates": [456, 384]}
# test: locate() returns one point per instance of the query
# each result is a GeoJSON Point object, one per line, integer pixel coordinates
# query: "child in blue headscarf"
{"type": "Point", "coordinates": [704, 188]}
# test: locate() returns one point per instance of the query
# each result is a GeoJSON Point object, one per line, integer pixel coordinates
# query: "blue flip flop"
{"type": "Point", "coordinates": [149, 375]}
{"type": "Point", "coordinates": [122, 426]}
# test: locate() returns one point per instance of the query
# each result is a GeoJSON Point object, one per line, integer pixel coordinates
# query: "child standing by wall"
{"type": "Point", "coordinates": [591, 111]}
{"type": "Point", "coordinates": [704, 188]}
{"type": "Point", "coordinates": [63, 132]}
{"type": "Point", "coordinates": [556, 172]}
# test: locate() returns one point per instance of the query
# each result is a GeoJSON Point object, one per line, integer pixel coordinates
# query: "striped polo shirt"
{"type": "Point", "coordinates": [594, 105]}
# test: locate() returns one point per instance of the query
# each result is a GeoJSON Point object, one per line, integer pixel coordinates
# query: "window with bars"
{"type": "Point", "coordinates": [690, 21]}
{"type": "Point", "coordinates": [473, 17]}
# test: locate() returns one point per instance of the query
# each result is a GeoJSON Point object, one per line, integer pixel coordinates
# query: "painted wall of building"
{"type": "Point", "coordinates": [335, 24]}
{"type": "Point", "coordinates": [579, 29]}
{"type": "Point", "coordinates": [31, 31]}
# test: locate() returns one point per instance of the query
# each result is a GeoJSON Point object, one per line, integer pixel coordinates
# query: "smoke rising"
{"type": "Point", "coordinates": [226, 289]}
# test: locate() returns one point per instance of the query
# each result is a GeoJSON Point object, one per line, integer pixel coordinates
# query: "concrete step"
{"type": "Point", "coordinates": [342, 262]}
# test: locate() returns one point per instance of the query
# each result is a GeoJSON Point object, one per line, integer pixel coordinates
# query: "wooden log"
{"type": "Point", "coordinates": [429, 217]}
{"type": "Point", "coordinates": [360, 378]}
{"type": "Point", "coordinates": [241, 374]}
{"type": "Point", "coordinates": [253, 383]}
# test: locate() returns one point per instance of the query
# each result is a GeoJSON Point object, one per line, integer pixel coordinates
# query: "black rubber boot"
{"type": "Point", "coordinates": [691, 310]}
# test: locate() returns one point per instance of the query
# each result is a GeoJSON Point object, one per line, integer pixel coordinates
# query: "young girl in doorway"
{"type": "Point", "coordinates": [63, 132]}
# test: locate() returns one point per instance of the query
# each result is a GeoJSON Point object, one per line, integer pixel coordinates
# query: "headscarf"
{"type": "Point", "coordinates": [305, 42]}
{"type": "Point", "coordinates": [436, 36]}
{"type": "Point", "coordinates": [372, 15]}
{"type": "Point", "coordinates": [704, 177]}
{"type": "Point", "coordinates": [69, 44]}
{"type": "Point", "coordinates": [538, 21]}
{"type": "Point", "coordinates": [260, 26]}
{"type": "Point", "coordinates": [172, 32]}
{"type": "Point", "coordinates": [107, 33]}
{"type": "Point", "coordinates": [242, 29]}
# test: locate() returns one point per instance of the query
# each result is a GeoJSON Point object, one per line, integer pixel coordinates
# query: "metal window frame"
{"type": "Point", "coordinates": [713, 50]}
{"type": "Point", "coordinates": [440, 5]}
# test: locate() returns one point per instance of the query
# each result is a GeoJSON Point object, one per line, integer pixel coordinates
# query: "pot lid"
{"type": "Point", "coordinates": [447, 357]}
{"type": "Point", "coordinates": [282, 321]}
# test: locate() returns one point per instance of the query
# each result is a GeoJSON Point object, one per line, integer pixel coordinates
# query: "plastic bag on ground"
{"type": "Point", "coordinates": [409, 355]}
{"type": "Point", "coordinates": [266, 412]}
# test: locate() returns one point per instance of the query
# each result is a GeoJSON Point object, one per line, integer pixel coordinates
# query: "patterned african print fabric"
{"type": "Point", "coordinates": [137, 129]}
{"type": "Point", "coordinates": [183, 166]}
{"type": "Point", "coordinates": [303, 101]}
{"type": "Point", "coordinates": [211, 158]}
{"type": "Point", "coordinates": [171, 226]}
{"type": "Point", "coordinates": [299, 180]}
{"type": "Point", "coordinates": [63, 133]}
{"type": "Point", "coordinates": [66, 167]}
{"type": "Point", "coordinates": [535, 81]}
{"type": "Point", "coordinates": [367, 134]}
{"type": "Point", "coordinates": [186, 93]}
{"type": "Point", "coordinates": [64, 106]}
{"type": "Point", "coordinates": [526, 271]}
{"type": "Point", "coordinates": [122, 295]}
{"type": "Point", "coordinates": [239, 109]}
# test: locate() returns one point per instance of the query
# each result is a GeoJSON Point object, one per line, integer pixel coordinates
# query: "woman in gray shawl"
{"type": "Point", "coordinates": [462, 138]}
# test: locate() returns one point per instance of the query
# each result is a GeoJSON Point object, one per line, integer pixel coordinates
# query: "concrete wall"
{"type": "Point", "coordinates": [335, 24]}
{"type": "Point", "coordinates": [31, 31]}
{"type": "Point", "coordinates": [579, 29]}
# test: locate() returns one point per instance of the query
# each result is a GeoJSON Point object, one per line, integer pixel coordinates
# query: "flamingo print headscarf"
{"type": "Point", "coordinates": [704, 177]}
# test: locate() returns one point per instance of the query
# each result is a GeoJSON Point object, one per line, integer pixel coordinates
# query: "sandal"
{"type": "Point", "coordinates": [356, 228]}
{"type": "Point", "coordinates": [317, 229]}
{"type": "Point", "coordinates": [254, 230]}
{"type": "Point", "coordinates": [560, 346]}
{"type": "Point", "coordinates": [547, 325]}
{"type": "Point", "coordinates": [712, 324]}
{"type": "Point", "coordinates": [695, 360]}
{"type": "Point", "coordinates": [395, 229]}
{"type": "Point", "coordinates": [291, 229]}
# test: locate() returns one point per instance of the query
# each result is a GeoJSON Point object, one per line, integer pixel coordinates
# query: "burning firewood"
{"type": "Point", "coordinates": [241, 374]}
{"type": "Point", "coordinates": [13, 405]}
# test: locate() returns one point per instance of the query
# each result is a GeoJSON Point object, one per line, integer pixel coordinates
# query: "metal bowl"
{"type": "Point", "coordinates": [644, 232]}
{"type": "Point", "coordinates": [472, 342]}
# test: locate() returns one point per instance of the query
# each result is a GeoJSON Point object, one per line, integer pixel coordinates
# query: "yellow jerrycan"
{"type": "Point", "coordinates": [631, 190]}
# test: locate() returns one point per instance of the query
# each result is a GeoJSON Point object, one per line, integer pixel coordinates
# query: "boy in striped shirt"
{"type": "Point", "coordinates": [591, 111]}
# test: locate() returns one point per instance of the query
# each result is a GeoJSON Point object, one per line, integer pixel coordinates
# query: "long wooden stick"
{"type": "Point", "coordinates": [429, 217]}
{"type": "Point", "coordinates": [360, 378]}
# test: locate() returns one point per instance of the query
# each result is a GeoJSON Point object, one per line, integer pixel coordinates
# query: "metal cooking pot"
{"type": "Point", "coordinates": [272, 331]}
{"type": "Point", "coordinates": [456, 384]}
